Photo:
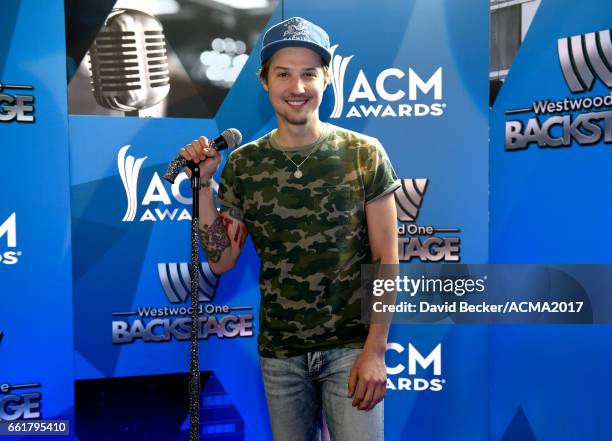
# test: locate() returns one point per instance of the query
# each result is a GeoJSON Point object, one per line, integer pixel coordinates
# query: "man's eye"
{"type": "Point", "coordinates": [283, 74]}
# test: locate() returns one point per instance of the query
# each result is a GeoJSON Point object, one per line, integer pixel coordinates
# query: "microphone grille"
{"type": "Point", "coordinates": [232, 137]}
{"type": "Point", "coordinates": [129, 63]}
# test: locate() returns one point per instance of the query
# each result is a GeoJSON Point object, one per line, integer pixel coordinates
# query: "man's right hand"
{"type": "Point", "coordinates": [199, 152]}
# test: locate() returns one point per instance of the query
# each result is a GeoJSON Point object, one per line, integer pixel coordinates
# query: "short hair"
{"type": "Point", "coordinates": [264, 70]}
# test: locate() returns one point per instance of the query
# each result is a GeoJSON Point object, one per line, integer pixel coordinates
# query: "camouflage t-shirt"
{"type": "Point", "coordinates": [310, 234]}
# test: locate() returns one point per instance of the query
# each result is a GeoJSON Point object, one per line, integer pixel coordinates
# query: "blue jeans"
{"type": "Point", "coordinates": [300, 389]}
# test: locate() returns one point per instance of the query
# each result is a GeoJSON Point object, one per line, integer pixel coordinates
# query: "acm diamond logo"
{"type": "Point", "coordinates": [425, 242]}
{"type": "Point", "coordinates": [338, 70]}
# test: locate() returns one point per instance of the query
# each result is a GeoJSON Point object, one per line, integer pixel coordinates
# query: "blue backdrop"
{"type": "Point", "coordinates": [93, 244]}
{"type": "Point", "coordinates": [548, 205]}
{"type": "Point", "coordinates": [36, 350]}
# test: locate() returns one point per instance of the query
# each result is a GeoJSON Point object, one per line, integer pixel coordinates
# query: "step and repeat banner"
{"type": "Point", "coordinates": [95, 245]}
{"type": "Point", "coordinates": [551, 135]}
{"type": "Point", "coordinates": [36, 325]}
{"type": "Point", "coordinates": [130, 231]}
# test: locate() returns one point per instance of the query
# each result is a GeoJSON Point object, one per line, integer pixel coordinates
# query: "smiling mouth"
{"type": "Point", "coordinates": [297, 103]}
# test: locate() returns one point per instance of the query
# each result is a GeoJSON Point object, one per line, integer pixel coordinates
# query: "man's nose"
{"type": "Point", "coordinates": [297, 85]}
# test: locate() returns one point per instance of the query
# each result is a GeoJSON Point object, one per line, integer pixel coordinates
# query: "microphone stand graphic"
{"type": "Point", "coordinates": [194, 369]}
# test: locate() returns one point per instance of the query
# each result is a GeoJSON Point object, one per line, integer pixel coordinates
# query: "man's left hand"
{"type": "Point", "coordinates": [368, 380]}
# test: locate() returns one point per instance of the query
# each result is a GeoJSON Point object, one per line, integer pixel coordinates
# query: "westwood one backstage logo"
{"type": "Point", "coordinates": [427, 243]}
{"type": "Point", "coordinates": [587, 120]}
{"type": "Point", "coordinates": [16, 107]}
{"type": "Point", "coordinates": [15, 404]}
{"type": "Point", "coordinates": [156, 193]}
{"type": "Point", "coordinates": [393, 92]}
{"type": "Point", "coordinates": [173, 321]}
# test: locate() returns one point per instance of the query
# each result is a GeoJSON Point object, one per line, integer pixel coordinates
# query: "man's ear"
{"type": "Point", "coordinates": [264, 84]}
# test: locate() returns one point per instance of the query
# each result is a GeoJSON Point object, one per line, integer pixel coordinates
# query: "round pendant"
{"type": "Point", "coordinates": [298, 173]}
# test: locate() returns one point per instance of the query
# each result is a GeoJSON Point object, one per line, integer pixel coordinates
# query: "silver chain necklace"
{"type": "Point", "coordinates": [298, 173]}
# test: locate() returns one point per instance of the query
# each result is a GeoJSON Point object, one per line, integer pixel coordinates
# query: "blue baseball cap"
{"type": "Point", "coordinates": [295, 32]}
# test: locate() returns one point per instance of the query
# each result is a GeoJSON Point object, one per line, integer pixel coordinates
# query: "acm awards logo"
{"type": "Point", "coordinates": [582, 59]}
{"type": "Point", "coordinates": [156, 193]}
{"type": "Point", "coordinates": [9, 254]}
{"type": "Point", "coordinates": [13, 107]}
{"type": "Point", "coordinates": [392, 93]}
{"type": "Point", "coordinates": [426, 242]}
{"type": "Point", "coordinates": [166, 323]}
{"type": "Point", "coordinates": [410, 370]}
{"type": "Point", "coordinates": [19, 406]}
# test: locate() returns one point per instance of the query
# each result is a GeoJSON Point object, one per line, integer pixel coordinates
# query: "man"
{"type": "Point", "coordinates": [317, 202]}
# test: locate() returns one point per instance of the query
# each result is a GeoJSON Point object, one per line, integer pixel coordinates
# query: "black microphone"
{"type": "Point", "coordinates": [229, 139]}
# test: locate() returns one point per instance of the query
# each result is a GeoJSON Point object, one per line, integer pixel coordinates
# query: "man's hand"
{"type": "Point", "coordinates": [199, 152]}
{"type": "Point", "coordinates": [368, 380]}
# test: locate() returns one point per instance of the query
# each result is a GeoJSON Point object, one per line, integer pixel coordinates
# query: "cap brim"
{"type": "Point", "coordinates": [270, 49]}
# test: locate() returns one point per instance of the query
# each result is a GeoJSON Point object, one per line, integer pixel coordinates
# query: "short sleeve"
{"type": "Point", "coordinates": [228, 196]}
{"type": "Point", "coordinates": [380, 178]}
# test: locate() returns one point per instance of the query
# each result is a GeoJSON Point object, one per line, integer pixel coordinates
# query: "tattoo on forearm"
{"type": "Point", "coordinates": [241, 233]}
{"type": "Point", "coordinates": [214, 239]}
{"type": "Point", "coordinates": [236, 214]}
{"type": "Point", "coordinates": [226, 223]}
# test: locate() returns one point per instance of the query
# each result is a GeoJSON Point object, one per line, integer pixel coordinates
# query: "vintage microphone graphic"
{"type": "Point", "coordinates": [129, 63]}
